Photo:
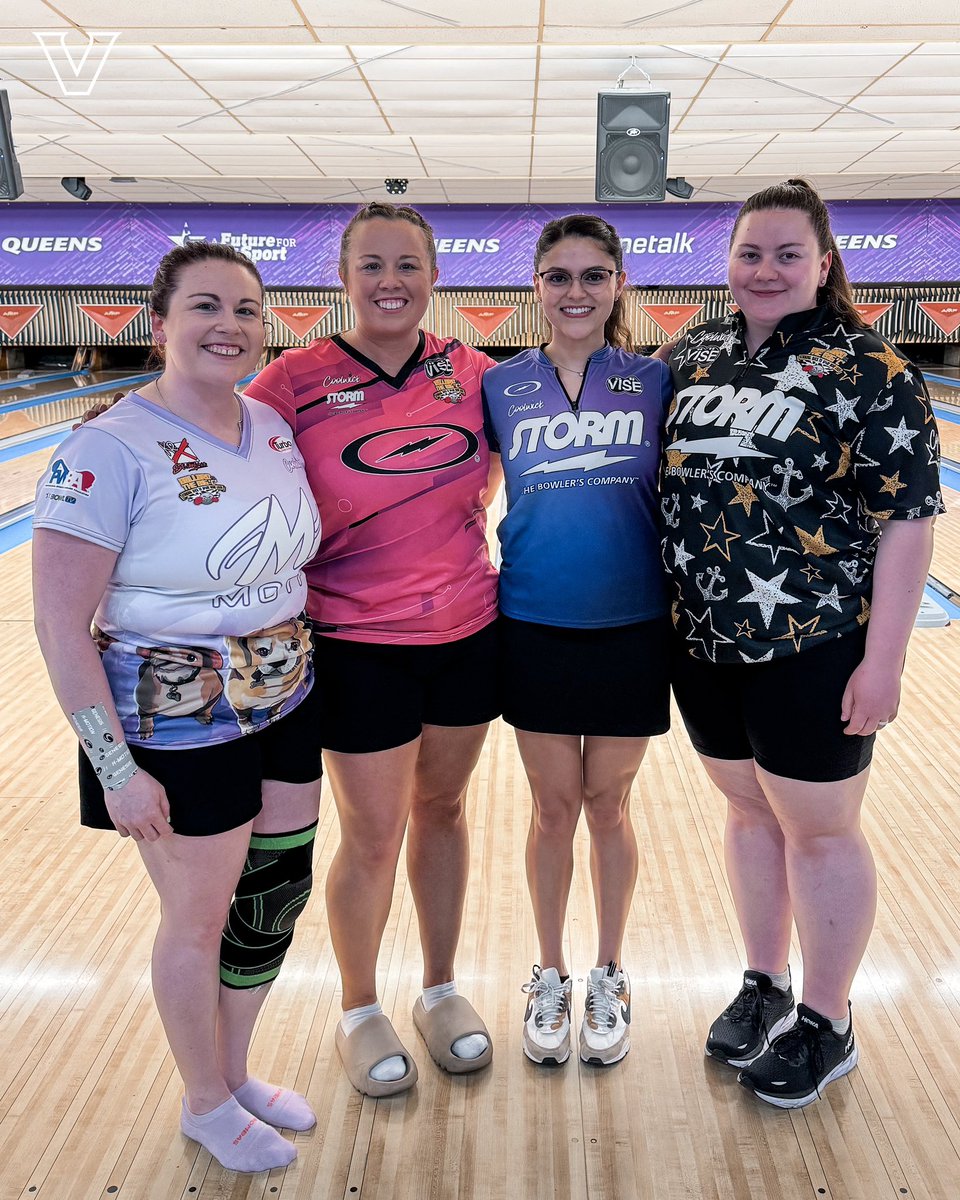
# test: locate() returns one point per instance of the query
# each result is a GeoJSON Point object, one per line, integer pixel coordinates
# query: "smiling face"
{"type": "Point", "coordinates": [775, 268]}
{"type": "Point", "coordinates": [213, 328]}
{"type": "Point", "coordinates": [578, 309]}
{"type": "Point", "coordinates": [388, 276]}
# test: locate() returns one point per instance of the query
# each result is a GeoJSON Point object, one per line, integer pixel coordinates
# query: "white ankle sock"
{"type": "Point", "coordinates": [276, 1105]}
{"type": "Point", "coordinates": [236, 1139]}
{"type": "Point", "coordinates": [781, 980]}
{"type": "Point", "coordinates": [471, 1046]}
{"type": "Point", "coordinates": [391, 1068]}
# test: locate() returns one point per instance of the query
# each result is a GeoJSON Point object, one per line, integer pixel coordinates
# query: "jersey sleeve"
{"type": "Point", "coordinates": [489, 431]}
{"type": "Point", "coordinates": [93, 489]}
{"type": "Point", "coordinates": [895, 455]}
{"type": "Point", "coordinates": [272, 386]}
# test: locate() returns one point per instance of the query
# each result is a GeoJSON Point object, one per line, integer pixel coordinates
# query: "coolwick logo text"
{"type": "Point", "coordinates": [524, 388]}
{"type": "Point", "coordinates": [624, 383]}
{"type": "Point", "coordinates": [77, 74]}
{"type": "Point", "coordinates": [332, 381]}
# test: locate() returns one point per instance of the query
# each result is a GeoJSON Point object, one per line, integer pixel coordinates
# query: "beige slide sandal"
{"type": "Point", "coordinates": [369, 1044]}
{"type": "Point", "coordinates": [451, 1019]}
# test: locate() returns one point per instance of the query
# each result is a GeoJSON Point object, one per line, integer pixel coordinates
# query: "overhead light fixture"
{"type": "Point", "coordinates": [11, 181]}
{"type": "Point", "coordinates": [677, 186]}
{"type": "Point", "coordinates": [76, 185]}
{"type": "Point", "coordinates": [395, 187]}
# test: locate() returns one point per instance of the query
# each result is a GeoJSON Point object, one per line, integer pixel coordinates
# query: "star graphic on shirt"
{"type": "Point", "coordinates": [812, 433]}
{"type": "Point", "coordinates": [792, 376]}
{"type": "Point", "coordinates": [680, 556]}
{"type": "Point", "coordinates": [744, 628]}
{"type": "Point", "coordinates": [877, 406]}
{"type": "Point", "coordinates": [832, 598]}
{"type": "Point", "coordinates": [895, 365]}
{"type": "Point", "coordinates": [698, 502]}
{"type": "Point", "coordinates": [714, 539]}
{"type": "Point", "coordinates": [799, 630]}
{"type": "Point", "coordinates": [811, 572]}
{"type": "Point", "coordinates": [820, 461]}
{"type": "Point", "coordinates": [728, 341]}
{"type": "Point", "coordinates": [864, 616]}
{"type": "Point", "coordinates": [933, 449]}
{"type": "Point", "coordinates": [676, 459]}
{"type": "Point", "coordinates": [860, 455]}
{"type": "Point", "coordinates": [913, 513]}
{"type": "Point", "coordinates": [699, 373]}
{"type": "Point", "coordinates": [745, 495]}
{"type": "Point", "coordinates": [767, 593]}
{"type": "Point", "coordinates": [902, 437]}
{"type": "Point", "coordinates": [851, 375]}
{"type": "Point", "coordinates": [891, 484]}
{"type": "Point", "coordinates": [702, 631]}
{"type": "Point", "coordinates": [814, 543]}
{"type": "Point", "coordinates": [838, 509]}
{"type": "Point", "coordinates": [763, 657]}
{"type": "Point", "coordinates": [843, 466]}
{"type": "Point", "coordinates": [775, 543]}
{"type": "Point", "coordinates": [845, 408]}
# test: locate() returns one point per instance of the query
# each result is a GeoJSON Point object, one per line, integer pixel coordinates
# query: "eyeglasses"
{"type": "Point", "coordinates": [596, 277]}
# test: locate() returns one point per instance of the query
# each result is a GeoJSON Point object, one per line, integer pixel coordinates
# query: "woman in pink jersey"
{"type": "Point", "coordinates": [403, 598]}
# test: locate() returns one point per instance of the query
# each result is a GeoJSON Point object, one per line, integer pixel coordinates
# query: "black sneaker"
{"type": "Point", "coordinates": [801, 1062]}
{"type": "Point", "coordinates": [746, 1027]}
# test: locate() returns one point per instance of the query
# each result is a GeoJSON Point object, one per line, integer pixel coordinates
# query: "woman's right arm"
{"type": "Point", "coordinates": [63, 614]}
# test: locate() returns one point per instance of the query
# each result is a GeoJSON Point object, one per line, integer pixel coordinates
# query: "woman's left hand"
{"type": "Point", "coordinates": [871, 698]}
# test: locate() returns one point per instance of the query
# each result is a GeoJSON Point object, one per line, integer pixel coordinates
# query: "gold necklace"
{"type": "Point", "coordinates": [163, 401]}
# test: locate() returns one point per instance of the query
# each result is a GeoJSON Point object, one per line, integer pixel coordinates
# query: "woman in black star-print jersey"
{"type": "Point", "coordinates": [799, 493]}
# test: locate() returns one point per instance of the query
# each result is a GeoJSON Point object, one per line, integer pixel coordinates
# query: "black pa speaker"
{"type": "Point", "coordinates": [11, 183]}
{"type": "Point", "coordinates": [632, 133]}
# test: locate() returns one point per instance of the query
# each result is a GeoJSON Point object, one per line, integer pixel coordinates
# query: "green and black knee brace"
{"type": "Point", "coordinates": [271, 893]}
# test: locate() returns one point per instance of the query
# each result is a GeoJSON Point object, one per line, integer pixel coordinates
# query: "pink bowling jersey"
{"type": "Point", "coordinates": [397, 465]}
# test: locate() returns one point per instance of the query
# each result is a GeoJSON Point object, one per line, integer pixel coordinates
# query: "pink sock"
{"type": "Point", "coordinates": [275, 1105]}
{"type": "Point", "coordinates": [236, 1139]}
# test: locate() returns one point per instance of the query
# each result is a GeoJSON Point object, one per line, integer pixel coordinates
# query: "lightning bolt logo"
{"type": "Point", "coordinates": [413, 447]}
{"type": "Point", "coordinates": [583, 462]}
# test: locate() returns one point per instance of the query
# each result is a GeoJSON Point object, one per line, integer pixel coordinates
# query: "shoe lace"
{"type": "Point", "coordinates": [550, 1001]}
{"type": "Point", "coordinates": [746, 1006]}
{"type": "Point", "coordinates": [601, 1003]}
{"type": "Point", "coordinates": [801, 1046]}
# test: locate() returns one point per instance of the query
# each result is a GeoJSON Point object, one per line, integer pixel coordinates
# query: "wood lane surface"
{"type": "Point", "coordinates": [89, 1097]}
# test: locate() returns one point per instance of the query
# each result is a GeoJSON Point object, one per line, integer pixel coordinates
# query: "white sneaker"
{"type": "Point", "coordinates": [546, 1023]}
{"type": "Point", "coordinates": [605, 1031]}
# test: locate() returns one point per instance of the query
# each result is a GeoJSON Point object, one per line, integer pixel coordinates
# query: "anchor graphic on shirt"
{"type": "Point", "coordinates": [670, 509]}
{"type": "Point", "coordinates": [783, 497]}
{"type": "Point", "coordinates": [715, 579]}
{"type": "Point", "coordinates": [851, 568]}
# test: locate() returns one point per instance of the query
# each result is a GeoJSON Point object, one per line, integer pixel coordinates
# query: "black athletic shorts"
{"type": "Point", "coordinates": [612, 682]}
{"type": "Point", "coordinates": [784, 713]}
{"type": "Point", "coordinates": [215, 788]}
{"type": "Point", "coordinates": [377, 696]}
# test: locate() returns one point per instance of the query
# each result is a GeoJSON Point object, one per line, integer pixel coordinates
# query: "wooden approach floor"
{"type": "Point", "coordinates": [89, 1096]}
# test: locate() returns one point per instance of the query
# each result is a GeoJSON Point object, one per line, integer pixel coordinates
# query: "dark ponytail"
{"type": "Point", "coordinates": [799, 195]}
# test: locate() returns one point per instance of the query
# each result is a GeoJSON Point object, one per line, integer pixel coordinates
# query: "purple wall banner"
{"type": "Point", "coordinates": [483, 246]}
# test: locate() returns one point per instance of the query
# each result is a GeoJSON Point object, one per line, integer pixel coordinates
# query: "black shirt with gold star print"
{"type": "Point", "coordinates": [778, 469]}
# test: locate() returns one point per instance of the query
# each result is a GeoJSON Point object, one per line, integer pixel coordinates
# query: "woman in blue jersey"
{"type": "Point", "coordinates": [583, 610]}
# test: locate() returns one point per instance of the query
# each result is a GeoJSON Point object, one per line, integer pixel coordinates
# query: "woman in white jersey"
{"type": "Point", "coordinates": [182, 519]}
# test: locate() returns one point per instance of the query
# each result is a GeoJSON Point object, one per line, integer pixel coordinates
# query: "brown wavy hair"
{"type": "Point", "coordinates": [801, 196]}
{"type": "Point", "coordinates": [583, 225]}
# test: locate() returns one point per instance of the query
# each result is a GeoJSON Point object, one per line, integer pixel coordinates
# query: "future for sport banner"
{"type": "Point", "coordinates": [485, 246]}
